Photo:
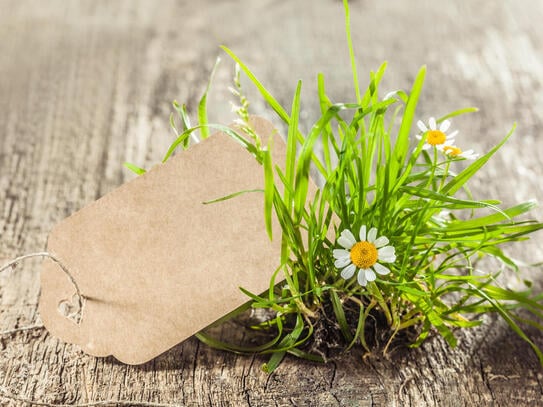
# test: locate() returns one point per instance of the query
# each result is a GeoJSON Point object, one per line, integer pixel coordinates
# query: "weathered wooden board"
{"type": "Point", "coordinates": [87, 85]}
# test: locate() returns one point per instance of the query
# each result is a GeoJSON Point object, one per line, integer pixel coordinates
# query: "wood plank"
{"type": "Point", "coordinates": [87, 85]}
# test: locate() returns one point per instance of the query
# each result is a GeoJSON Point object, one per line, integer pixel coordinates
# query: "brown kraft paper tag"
{"type": "Point", "coordinates": [153, 263]}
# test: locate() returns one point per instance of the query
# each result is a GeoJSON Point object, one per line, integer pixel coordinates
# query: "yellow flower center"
{"type": "Point", "coordinates": [435, 137]}
{"type": "Point", "coordinates": [364, 254]}
{"type": "Point", "coordinates": [453, 151]}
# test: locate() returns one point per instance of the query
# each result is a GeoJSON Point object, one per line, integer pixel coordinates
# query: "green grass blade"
{"type": "Point", "coordinates": [458, 182]}
{"type": "Point", "coordinates": [185, 121]}
{"type": "Point", "coordinates": [230, 196]}
{"type": "Point", "coordinates": [402, 143]}
{"type": "Point", "coordinates": [304, 160]}
{"type": "Point", "coordinates": [327, 133]}
{"type": "Point", "coordinates": [307, 356]}
{"type": "Point", "coordinates": [225, 129]}
{"type": "Point", "coordinates": [244, 350]}
{"type": "Point", "coordinates": [287, 342]}
{"type": "Point", "coordinates": [340, 316]}
{"type": "Point", "coordinates": [494, 218]}
{"type": "Point", "coordinates": [458, 203]}
{"type": "Point", "coordinates": [182, 112]}
{"type": "Point", "coordinates": [134, 168]}
{"type": "Point", "coordinates": [269, 188]}
{"type": "Point", "coordinates": [202, 106]}
{"type": "Point", "coordinates": [457, 113]}
{"type": "Point", "coordinates": [275, 105]}
{"type": "Point", "coordinates": [290, 162]}
{"type": "Point", "coordinates": [510, 321]}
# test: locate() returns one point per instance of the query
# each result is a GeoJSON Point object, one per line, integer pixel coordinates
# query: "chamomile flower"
{"type": "Point", "coordinates": [455, 152]}
{"type": "Point", "coordinates": [436, 136]}
{"type": "Point", "coordinates": [365, 254]}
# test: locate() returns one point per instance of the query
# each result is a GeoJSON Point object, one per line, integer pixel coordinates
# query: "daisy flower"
{"type": "Point", "coordinates": [366, 255]}
{"type": "Point", "coordinates": [434, 136]}
{"type": "Point", "coordinates": [455, 152]}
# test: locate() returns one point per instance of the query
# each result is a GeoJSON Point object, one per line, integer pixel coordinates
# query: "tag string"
{"type": "Point", "coordinates": [12, 264]}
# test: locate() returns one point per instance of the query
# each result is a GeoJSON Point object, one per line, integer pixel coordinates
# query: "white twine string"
{"type": "Point", "coordinates": [12, 264]}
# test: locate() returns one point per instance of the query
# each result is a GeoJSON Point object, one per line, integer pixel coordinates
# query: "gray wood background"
{"type": "Point", "coordinates": [87, 85]}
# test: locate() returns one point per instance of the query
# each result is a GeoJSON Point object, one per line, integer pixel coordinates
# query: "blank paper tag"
{"type": "Point", "coordinates": [155, 264]}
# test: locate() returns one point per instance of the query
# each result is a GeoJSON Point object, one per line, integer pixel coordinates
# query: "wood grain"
{"type": "Point", "coordinates": [87, 85]}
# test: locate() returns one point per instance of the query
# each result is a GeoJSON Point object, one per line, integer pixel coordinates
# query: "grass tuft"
{"type": "Point", "coordinates": [412, 268]}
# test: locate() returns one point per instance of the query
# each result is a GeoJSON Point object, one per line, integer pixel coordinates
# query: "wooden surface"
{"type": "Point", "coordinates": [87, 85]}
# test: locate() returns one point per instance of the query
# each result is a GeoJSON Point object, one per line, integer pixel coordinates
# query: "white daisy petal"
{"type": "Point", "coordinates": [418, 136]}
{"type": "Point", "coordinates": [348, 236]}
{"type": "Point", "coordinates": [344, 242]}
{"type": "Point", "coordinates": [388, 259]}
{"type": "Point", "coordinates": [386, 251]}
{"type": "Point", "coordinates": [362, 234]}
{"type": "Point", "coordinates": [432, 123]}
{"type": "Point", "coordinates": [342, 262]}
{"type": "Point", "coordinates": [426, 146]}
{"type": "Point", "coordinates": [452, 135]}
{"type": "Point", "coordinates": [422, 126]}
{"type": "Point", "coordinates": [361, 278]}
{"type": "Point", "coordinates": [346, 239]}
{"type": "Point", "coordinates": [381, 241]}
{"type": "Point", "coordinates": [341, 253]}
{"type": "Point", "coordinates": [348, 271]}
{"type": "Point", "coordinates": [380, 269]}
{"type": "Point", "coordinates": [390, 95]}
{"type": "Point", "coordinates": [370, 275]}
{"type": "Point", "coordinates": [445, 125]}
{"type": "Point", "coordinates": [372, 234]}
